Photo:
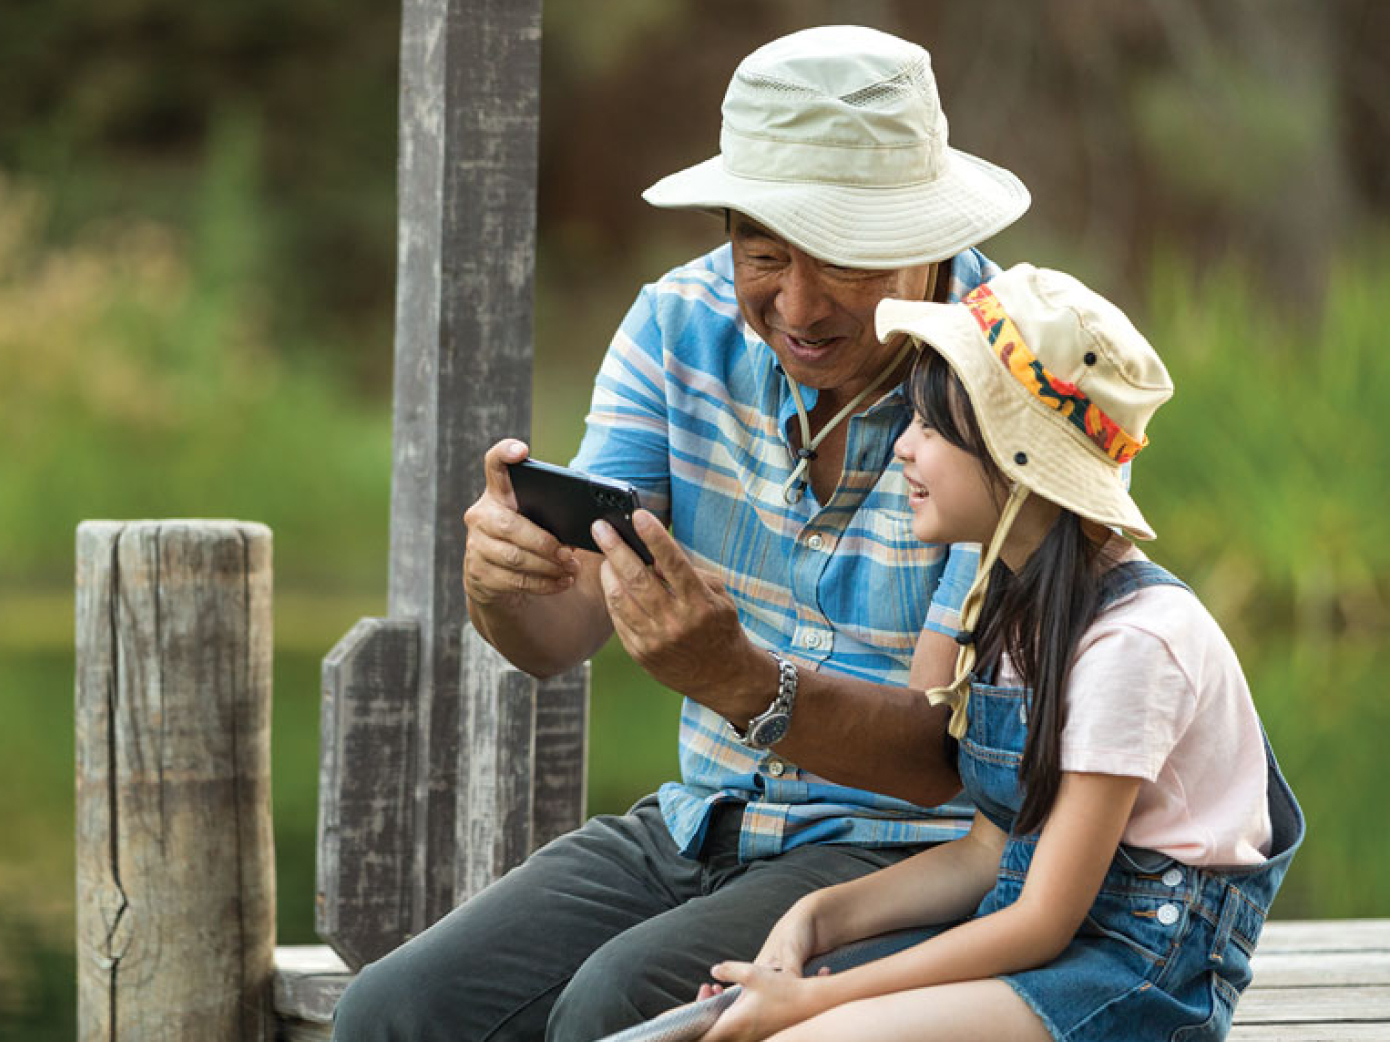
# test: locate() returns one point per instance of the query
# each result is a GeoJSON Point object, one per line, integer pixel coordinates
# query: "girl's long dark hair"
{"type": "Point", "coordinates": [1035, 617]}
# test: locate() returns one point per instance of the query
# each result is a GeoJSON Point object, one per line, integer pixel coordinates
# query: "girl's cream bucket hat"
{"type": "Point", "coordinates": [1062, 384]}
{"type": "Point", "coordinates": [834, 139]}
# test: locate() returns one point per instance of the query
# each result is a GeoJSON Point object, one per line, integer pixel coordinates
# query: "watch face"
{"type": "Point", "coordinates": [769, 730]}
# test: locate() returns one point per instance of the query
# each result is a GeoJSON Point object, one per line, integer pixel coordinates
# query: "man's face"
{"type": "Point", "coordinates": [817, 317]}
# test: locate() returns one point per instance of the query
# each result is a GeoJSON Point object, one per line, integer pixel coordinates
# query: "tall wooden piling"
{"type": "Point", "coordinates": [175, 857]}
{"type": "Point", "coordinates": [443, 765]}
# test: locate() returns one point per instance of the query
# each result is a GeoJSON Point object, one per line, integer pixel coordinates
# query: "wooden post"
{"type": "Point", "coordinates": [175, 857]}
{"type": "Point", "coordinates": [400, 734]}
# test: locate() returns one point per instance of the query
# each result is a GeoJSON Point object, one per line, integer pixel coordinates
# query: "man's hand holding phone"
{"type": "Point", "coordinates": [680, 625]}
{"type": "Point", "coordinates": [677, 623]}
{"type": "Point", "coordinates": [508, 556]}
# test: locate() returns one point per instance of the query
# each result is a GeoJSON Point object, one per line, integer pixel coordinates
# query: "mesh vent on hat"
{"type": "Point", "coordinates": [772, 83]}
{"type": "Point", "coordinates": [911, 80]}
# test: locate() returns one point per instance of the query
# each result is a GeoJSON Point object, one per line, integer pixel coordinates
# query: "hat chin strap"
{"type": "Point", "coordinates": [956, 694]}
{"type": "Point", "coordinates": [795, 485]}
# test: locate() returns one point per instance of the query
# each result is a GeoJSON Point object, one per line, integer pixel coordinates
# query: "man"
{"type": "Point", "coordinates": [748, 399]}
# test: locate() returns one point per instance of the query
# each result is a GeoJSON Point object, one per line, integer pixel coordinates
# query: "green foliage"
{"type": "Point", "coordinates": [141, 380]}
{"type": "Point", "coordinates": [1266, 471]}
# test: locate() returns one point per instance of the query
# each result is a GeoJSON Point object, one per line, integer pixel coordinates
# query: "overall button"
{"type": "Point", "coordinates": [1172, 877]}
{"type": "Point", "coordinates": [1168, 914]}
{"type": "Point", "coordinates": [815, 542]}
{"type": "Point", "coordinates": [813, 640]}
{"type": "Point", "coordinates": [1023, 714]}
{"type": "Point", "coordinates": [775, 767]}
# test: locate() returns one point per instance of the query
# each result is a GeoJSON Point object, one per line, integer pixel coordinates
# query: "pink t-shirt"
{"type": "Point", "coordinates": [1156, 692]}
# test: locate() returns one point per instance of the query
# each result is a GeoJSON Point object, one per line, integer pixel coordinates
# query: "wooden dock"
{"type": "Point", "coordinates": [1323, 981]}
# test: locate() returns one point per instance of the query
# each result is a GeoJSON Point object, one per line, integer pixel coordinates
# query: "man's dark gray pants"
{"type": "Point", "coordinates": [597, 931]}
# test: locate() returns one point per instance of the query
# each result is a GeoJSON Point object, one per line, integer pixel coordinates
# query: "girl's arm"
{"type": "Point", "coordinates": [942, 884]}
{"type": "Point", "coordinates": [1074, 852]}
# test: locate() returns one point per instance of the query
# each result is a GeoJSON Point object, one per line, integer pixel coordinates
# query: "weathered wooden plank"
{"type": "Point", "coordinates": [101, 903]}
{"type": "Point", "coordinates": [1306, 1032]}
{"type": "Point", "coordinates": [496, 767]}
{"type": "Point", "coordinates": [367, 762]}
{"type": "Point", "coordinates": [1325, 935]}
{"type": "Point", "coordinates": [309, 980]}
{"type": "Point", "coordinates": [561, 791]}
{"type": "Point", "coordinates": [1320, 969]}
{"type": "Point", "coordinates": [1320, 996]}
{"type": "Point", "coordinates": [1363, 1003]}
{"type": "Point", "coordinates": [466, 243]}
{"type": "Point", "coordinates": [176, 886]}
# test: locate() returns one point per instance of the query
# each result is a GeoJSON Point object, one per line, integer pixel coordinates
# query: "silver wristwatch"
{"type": "Point", "coordinates": [772, 724]}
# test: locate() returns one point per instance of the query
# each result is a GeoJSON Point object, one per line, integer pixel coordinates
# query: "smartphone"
{"type": "Point", "coordinates": [566, 502]}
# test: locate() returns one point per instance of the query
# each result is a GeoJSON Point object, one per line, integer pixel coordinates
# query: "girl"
{"type": "Point", "coordinates": [1132, 824]}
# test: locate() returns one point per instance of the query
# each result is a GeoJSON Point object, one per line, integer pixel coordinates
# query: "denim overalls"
{"type": "Point", "coordinates": [1165, 951]}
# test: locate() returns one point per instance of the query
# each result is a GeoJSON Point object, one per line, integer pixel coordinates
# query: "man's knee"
{"type": "Point", "coordinates": [625, 982]}
{"type": "Point", "coordinates": [371, 1009]}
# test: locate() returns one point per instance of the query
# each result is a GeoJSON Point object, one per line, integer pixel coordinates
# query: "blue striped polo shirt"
{"type": "Point", "coordinates": [691, 407]}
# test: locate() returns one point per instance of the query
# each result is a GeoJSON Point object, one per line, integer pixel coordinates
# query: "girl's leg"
{"type": "Point", "coordinates": [975, 1011]}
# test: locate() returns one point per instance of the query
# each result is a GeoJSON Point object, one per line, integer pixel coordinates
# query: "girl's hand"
{"type": "Point", "coordinates": [771, 1000]}
{"type": "Point", "coordinates": [791, 942]}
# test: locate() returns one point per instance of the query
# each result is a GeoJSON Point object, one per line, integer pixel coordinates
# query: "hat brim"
{"type": "Point", "coordinates": [1062, 464]}
{"type": "Point", "coordinates": [862, 227]}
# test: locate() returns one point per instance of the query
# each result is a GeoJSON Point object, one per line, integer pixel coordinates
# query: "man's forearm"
{"type": "Point", "coordinates": [877, 737]}
{"type": "Point", "coordinates": [883, 738]}
{"type": "Point", "coordinates": [546, 635]}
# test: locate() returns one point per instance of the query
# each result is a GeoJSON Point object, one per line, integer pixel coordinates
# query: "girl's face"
{"type": "Point", "coordinates": [951, 497]}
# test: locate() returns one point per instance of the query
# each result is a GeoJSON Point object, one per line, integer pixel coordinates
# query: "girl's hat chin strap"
{"type": "Point", "coordinates": [956, 694]}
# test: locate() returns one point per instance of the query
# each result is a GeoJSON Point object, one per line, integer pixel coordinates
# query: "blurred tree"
{"type": "Point", "coordinates": [1253, 126]}
{"type": "Point", "coordinates": [114, 107]}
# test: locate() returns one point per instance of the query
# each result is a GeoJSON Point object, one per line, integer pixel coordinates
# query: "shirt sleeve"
{"type": "Point", "coordinates": [1128, 703]}
{"type": "Point", "coordinates": [944, 614]}
{"type": "Point", "coordinates": [626, 432]}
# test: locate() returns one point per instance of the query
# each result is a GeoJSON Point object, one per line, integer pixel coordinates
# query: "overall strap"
{"type": "Point", "coordinates": [1132, 576]}
{"type": "Point", "coordinates": [1120, 581]}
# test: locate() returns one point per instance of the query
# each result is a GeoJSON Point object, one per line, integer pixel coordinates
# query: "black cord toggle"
{"type": "Point", "coordinates": [965, 638]}
{"type": "Point", "coordinates": [806, 454]}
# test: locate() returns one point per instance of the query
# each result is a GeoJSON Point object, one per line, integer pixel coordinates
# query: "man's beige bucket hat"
{"type": "Point", "coordinates": [834, 139]}
{"type": "Point", "coordinates": [1062, 384]}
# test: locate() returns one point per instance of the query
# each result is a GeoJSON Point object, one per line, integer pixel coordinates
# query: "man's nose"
{"type": "Point", "coordinates": [801, 297]}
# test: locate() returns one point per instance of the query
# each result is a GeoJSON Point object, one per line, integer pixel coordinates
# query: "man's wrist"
{"type": "Point", "coordinates": [771, 724]}
{"type": "Point", "coordinates": [746, 694]}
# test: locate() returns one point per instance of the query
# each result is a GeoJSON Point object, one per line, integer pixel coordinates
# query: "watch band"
{"type": "Point", "coordinates": [759, 734]}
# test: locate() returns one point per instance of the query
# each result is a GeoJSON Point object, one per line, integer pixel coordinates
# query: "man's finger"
{"type": "Point", "coordinates": [495, 473]}
{"type": "Point", "coordinates": [541, 556]}
{"type": "Point", "coordinates": [627, 614]}
{"type": "Point", "coordinates": [671, 563]}
{"type": "Point", "coordinates": [624, 560]}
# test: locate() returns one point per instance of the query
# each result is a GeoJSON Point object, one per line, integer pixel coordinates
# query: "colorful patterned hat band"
{"type": "Point", "coordinates": [1064, 397]}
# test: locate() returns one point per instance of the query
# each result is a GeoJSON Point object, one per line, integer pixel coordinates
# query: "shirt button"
{"type": "Point", "coordinates": [1172, 877]}
{"type": "Point", "coordinates": [1168, 914]}
{"type": "Point", "coordinates": [1023, 714]}
{"type": "Point", "coordinates": [813, 640]}
{"type": "Point", "coordinates": [815, 542]}
{"type": "Point", "coordinates": [776, 767]}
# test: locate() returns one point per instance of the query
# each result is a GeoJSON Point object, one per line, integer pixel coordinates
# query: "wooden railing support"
{"type": "Point", "coordinates": [175, 856]}
{"type": "Point", "coordinates": [444, 765]}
